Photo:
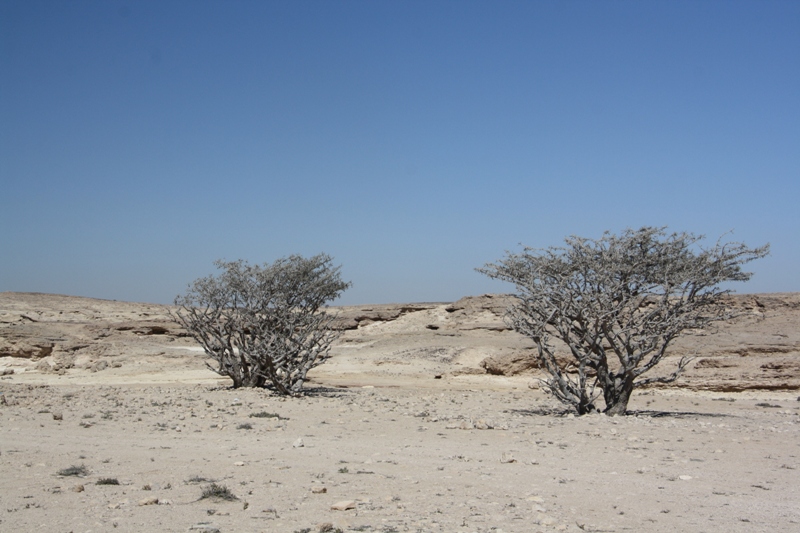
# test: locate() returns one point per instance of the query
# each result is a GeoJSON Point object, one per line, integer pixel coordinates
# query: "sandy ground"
{"type": "Point", "coordinates": [399, 432]}
{"type": "Point", "coordinates": [405, 459]}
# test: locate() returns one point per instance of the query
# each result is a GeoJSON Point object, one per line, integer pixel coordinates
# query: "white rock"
{"type": "Point", "coordinates": [343, 505]}
{"type": "Point", "coordinates": [507, 458]}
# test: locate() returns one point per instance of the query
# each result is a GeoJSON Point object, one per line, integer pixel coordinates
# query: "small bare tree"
{"type": "Point", "coordinates": [264, 325]}
{"type": "Point", "coordinates": [617, 303]}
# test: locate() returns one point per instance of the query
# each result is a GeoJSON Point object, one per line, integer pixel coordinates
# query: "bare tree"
{"type": "Point", "coordinates": [617, 303]}
{"type": "Point", "coordinates": [264, 325]}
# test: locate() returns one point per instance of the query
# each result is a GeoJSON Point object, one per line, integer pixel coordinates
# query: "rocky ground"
{"type": "Point", "coordinates": [426, 418]}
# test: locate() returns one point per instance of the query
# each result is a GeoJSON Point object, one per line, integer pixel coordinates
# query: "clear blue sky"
{"type": "Point", "coordinates": [412, 141]}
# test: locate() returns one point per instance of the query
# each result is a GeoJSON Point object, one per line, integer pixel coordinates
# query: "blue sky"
{"type": "Point", "coordinates": [412, 141]}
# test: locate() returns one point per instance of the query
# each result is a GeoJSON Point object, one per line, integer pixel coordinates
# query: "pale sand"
{"type": "Point", "coordinates": [463, 453]}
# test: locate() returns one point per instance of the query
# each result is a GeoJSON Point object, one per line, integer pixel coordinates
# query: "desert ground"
{"type": "Point", "coordinates": [427, 417]}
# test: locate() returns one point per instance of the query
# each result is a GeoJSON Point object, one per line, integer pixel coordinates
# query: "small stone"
{"type": "Point", "coordinates": [207, 528]}
{"type": "Point", "coordinates": [57, 415]}
{"type": "Point", "coordinates": [343, 505]}
{"type": "Point", "coordinates": [685, 478]}
{"type": "Point", "coordinates": [238, 463]}
{"type": "Point", "coordinates": [99, 366]}
{"type": "Point", "coordinates": [484, 424]}
{"type": "Point", "coordinates": [507, 458]}
{"type": "Point", "coordinates": [319, 490]}
{"type": "Point", "coordinates": [119, 504]}
{"type": "Point", "coordinates": [298, 443]}
{"type": "Point", "coordinates": [544, 520]}
{"type": "Point", "coordinates": [148, 501]}
{"type": "Point", "coordinates": [77, 488]}
{"type": "Point", "coordinates": [466, 424]}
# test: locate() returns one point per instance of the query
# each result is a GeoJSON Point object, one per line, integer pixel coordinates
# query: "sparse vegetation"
{"type": "Point", "coordinates": [246, 425]}
{"type": "Point", "coordinates": [74, 471]}
{"type": "Point", "coordinates": [217, 492]}
{"type": "Point", "coordinates": [617, 303]}
{"type": "Point", "coordinates": [199, 479]}
{"type": "Point", "coordinates": [264, 414]}
{"type": "Point", "coordinates": [107, 481]}
{"type": "Point", "coordinates": [264, 325]}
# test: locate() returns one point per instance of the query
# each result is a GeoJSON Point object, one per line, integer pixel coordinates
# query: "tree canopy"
{"type": "Point", "coordinates": [264, 325]}
{"type": "Point", "coordinates": [617, 303]}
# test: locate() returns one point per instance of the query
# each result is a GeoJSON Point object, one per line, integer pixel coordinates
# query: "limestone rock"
{"type": "Point", "coordinates": [343, 505]}
{"type": "Point", "coordinates": [510, 364]}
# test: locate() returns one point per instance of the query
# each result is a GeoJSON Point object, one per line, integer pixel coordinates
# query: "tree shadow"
{"type": "Point", "coordinates": [673, 414]}
{"type": "Point", "coordinates": [543, 411]}
{"type": "Point", "coordinates": [327, 392]}
{"type": "Point", "coordinates": [644, 413]}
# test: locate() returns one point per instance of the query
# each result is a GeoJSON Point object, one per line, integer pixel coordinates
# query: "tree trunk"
{"type": "Point", "coordinates": [586, 406]}
{"type": "Point", "coordinates": [254, 380]}
{"type": "Point", "coordinates": [618, 395]}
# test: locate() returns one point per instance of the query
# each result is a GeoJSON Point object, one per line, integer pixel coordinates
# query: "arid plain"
{"type": "Point", "coordinates": [427, 417]}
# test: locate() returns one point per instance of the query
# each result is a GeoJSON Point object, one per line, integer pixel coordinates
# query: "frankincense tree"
{"type": "Point", "coordinates": [264, 325]}
{"type": "Point", "coordinates": [617, 303]}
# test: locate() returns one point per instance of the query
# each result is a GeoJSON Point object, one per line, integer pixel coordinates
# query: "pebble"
{"type": "Point", "coordinates": [343, 505]}
{"type": "Point", "coordinates": [208, 528]}
{"type": "Point", "coordinates": [544, 520]}
{"type": "Point", "coordinates": [119, 504]}
{"type": "Point", "coordinates": [298, 443]}
{"type": "Point", "coordinates": [484, 424]}
{"type": "Point", "coordinates": [507, 458]}
{"type": "Point", "coordinates": [148, 501]}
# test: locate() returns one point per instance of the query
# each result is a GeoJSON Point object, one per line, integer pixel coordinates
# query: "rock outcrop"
{"type": "Point", "coordinates": [64, 334]}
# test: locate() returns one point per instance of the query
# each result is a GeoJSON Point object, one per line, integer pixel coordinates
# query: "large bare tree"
{"type": "Point", "coordinates": [617, 303]}
{"type": "Point", "coordinates": [264, 325]}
